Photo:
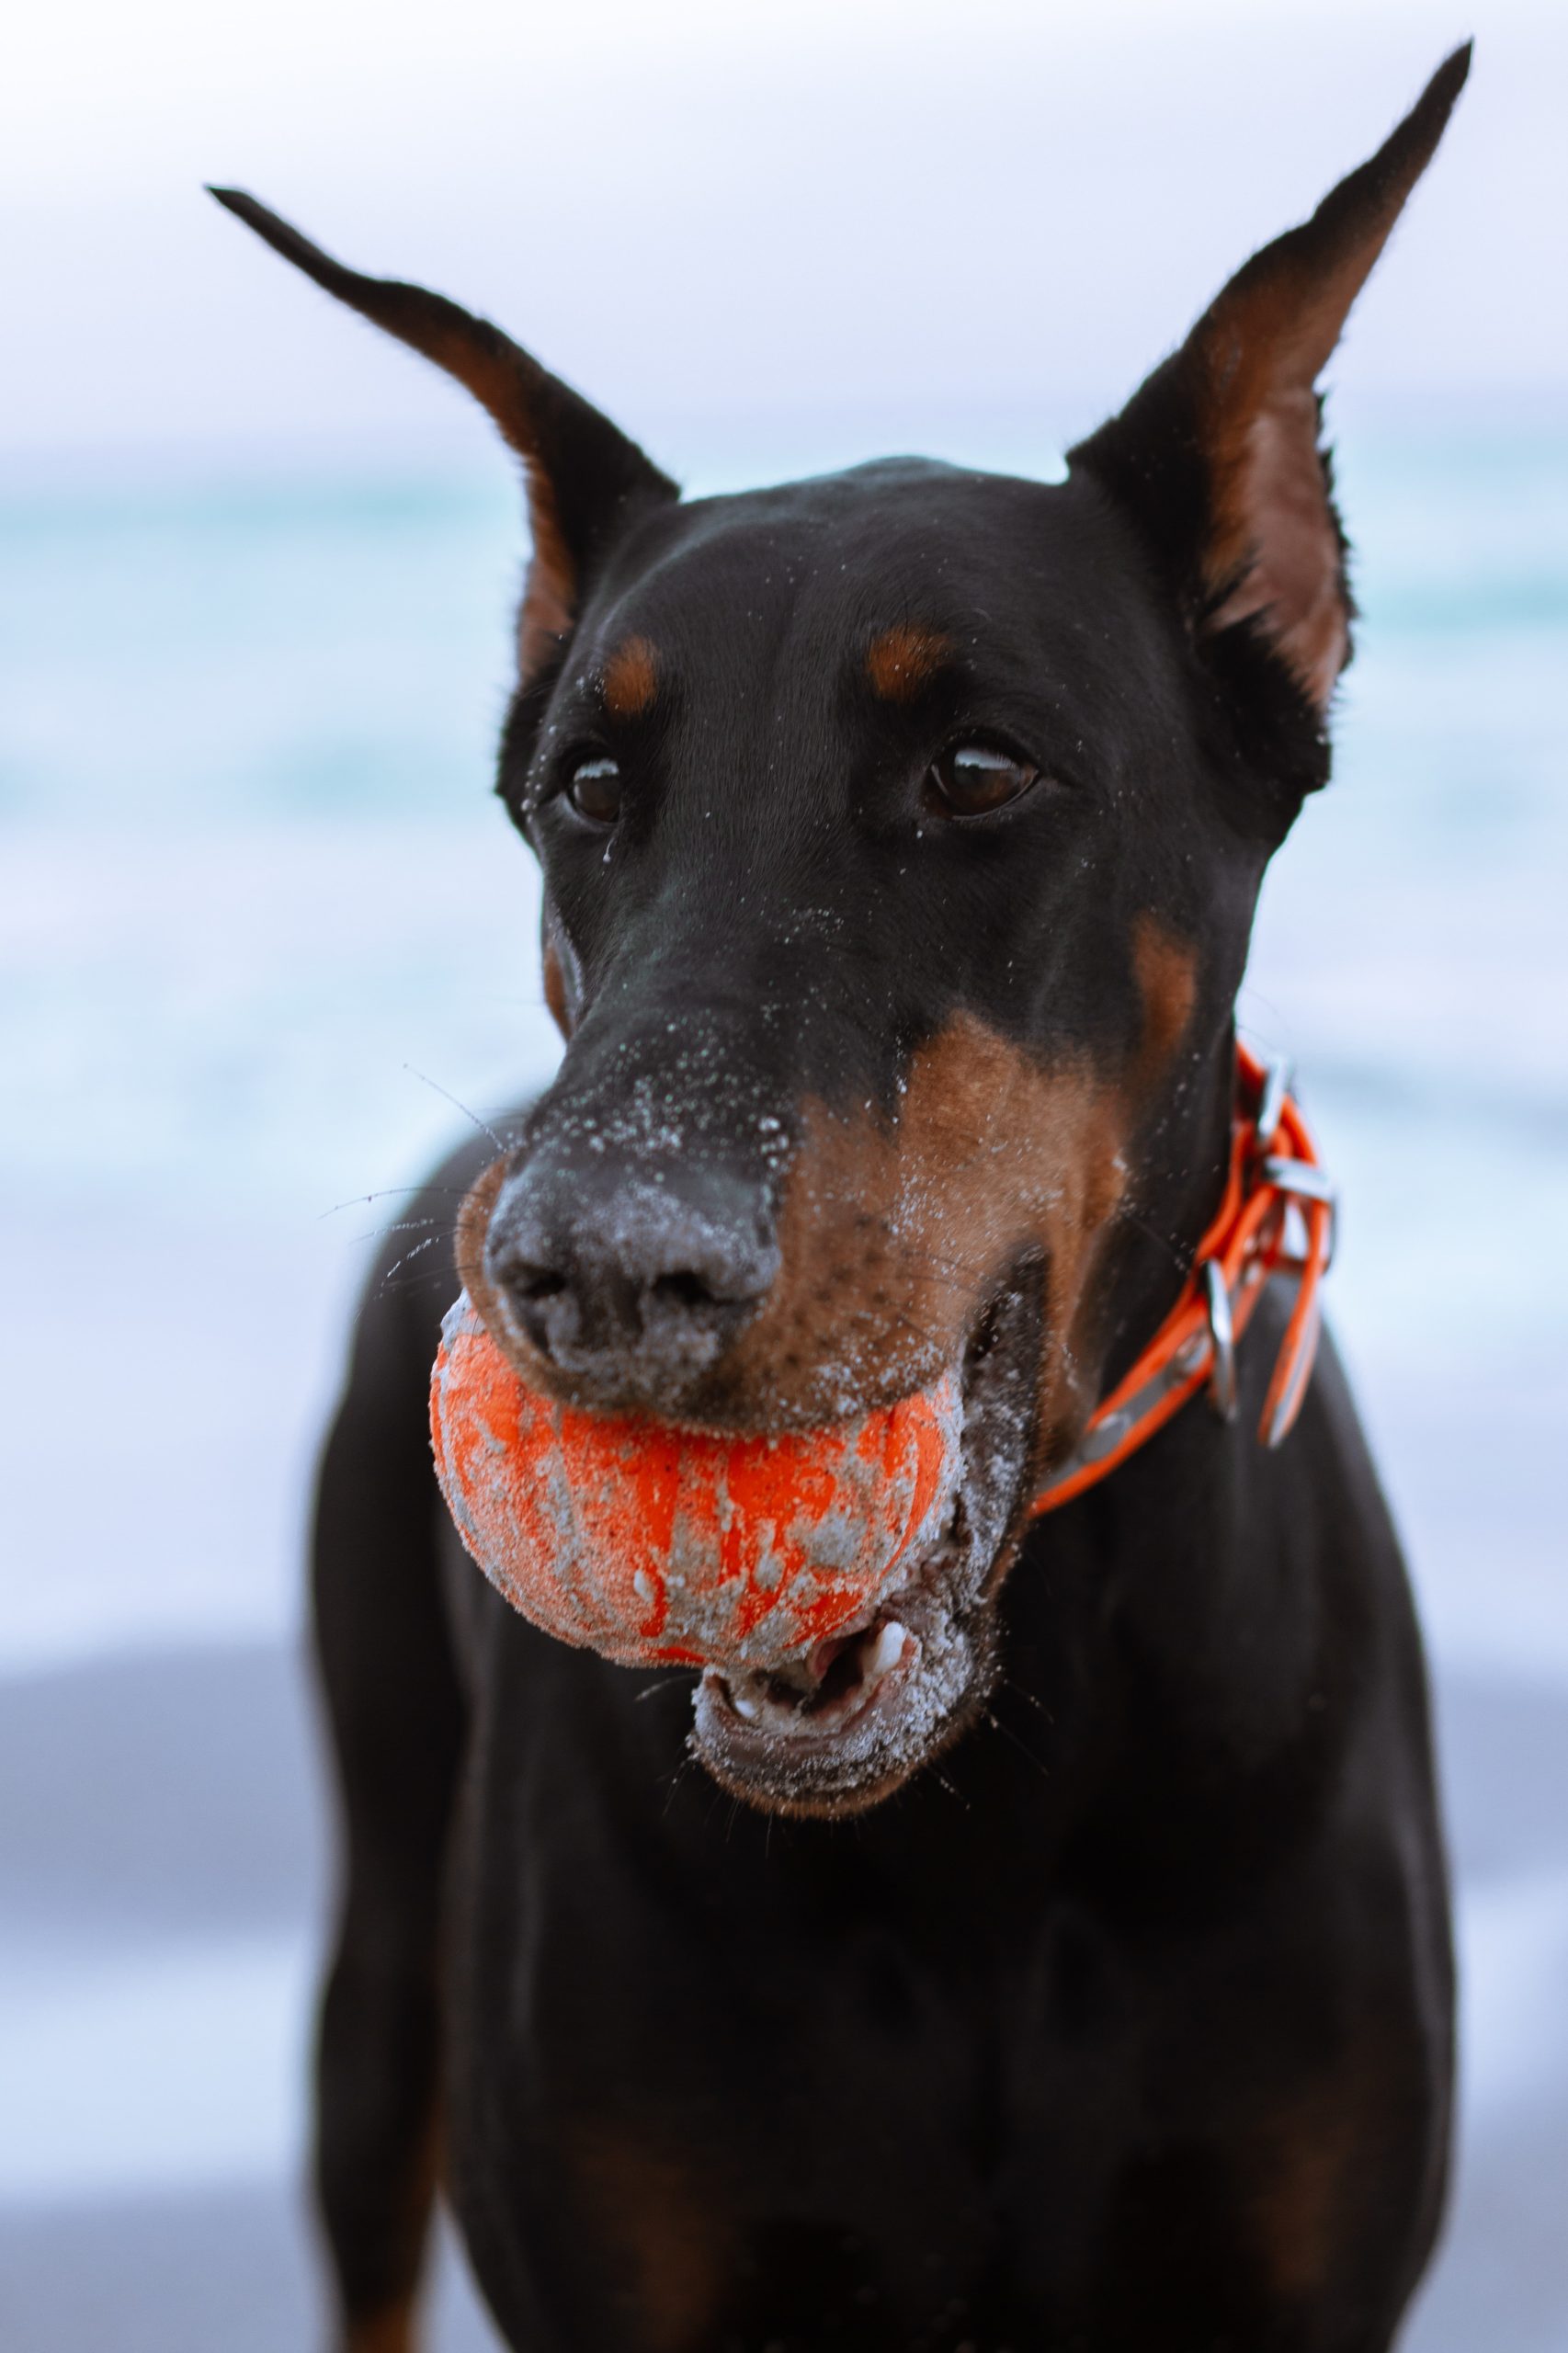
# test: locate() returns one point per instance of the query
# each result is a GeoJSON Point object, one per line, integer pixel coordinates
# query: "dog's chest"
{"type": "Point", "coordinates": [704, 2067]}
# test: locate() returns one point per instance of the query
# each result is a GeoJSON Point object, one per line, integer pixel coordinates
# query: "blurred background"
{"type": "Point", "coordinates": [260, 920]}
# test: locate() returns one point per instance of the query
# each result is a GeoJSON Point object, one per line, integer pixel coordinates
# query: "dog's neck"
{"type": "Point", "coordinates": [1185, 1156]}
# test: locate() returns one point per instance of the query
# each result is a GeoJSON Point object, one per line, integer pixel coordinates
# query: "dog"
{"type": "Point", "coordinates": [1082, 1979]}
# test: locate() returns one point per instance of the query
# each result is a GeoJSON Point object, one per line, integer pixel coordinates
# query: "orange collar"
{"type": "Point", "coordinates": [1274, 1170]}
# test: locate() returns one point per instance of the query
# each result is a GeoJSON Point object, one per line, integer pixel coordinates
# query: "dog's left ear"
{"type": "Point", "coordinates": [1217, 456]}
{"type": "Point", "coordinates": [585, 480]}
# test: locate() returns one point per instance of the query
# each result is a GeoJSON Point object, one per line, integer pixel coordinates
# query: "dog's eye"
{"type": "Point", "coordinates": [973, 778]}
{"type": "Point", "coordinates": [595, 790]}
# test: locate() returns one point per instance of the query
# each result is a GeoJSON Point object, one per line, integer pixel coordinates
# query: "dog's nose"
{"type": "Point", "coordinates": [633, 1282]}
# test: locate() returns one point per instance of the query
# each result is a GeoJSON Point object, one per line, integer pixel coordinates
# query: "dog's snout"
{"type": "Point", "coordinates": [631, 1284]}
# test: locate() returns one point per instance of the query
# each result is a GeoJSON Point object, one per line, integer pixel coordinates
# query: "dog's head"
{"type": "Point", "coordinates": [901, 835]}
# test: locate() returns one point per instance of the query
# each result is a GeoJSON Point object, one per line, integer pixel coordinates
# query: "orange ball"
{"type": "Point", "coordinates": [655, 1545]}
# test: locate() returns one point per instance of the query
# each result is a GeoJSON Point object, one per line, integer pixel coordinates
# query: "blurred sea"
{"type": "Point", "coordinates": [260, 919]}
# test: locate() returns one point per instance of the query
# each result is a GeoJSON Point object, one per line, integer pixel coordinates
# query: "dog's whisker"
{"type": "Point", "coordinates": [421, 1284]}
{"type": "Point", "coordinates": [446, 1096]}
{"type": "Point", "coordinates": [1011, 1683]}
{"type": "Point", "coordinates": [401, 1225]}
{"type": "Point", "coordinates": [389, 1193]}
{"type": "Point", "coordinates": [994, 1721]}
{"type": "Point", "coordinates": [429, 1242]}
{"type": "Point", "coordinates": [687, 1765]}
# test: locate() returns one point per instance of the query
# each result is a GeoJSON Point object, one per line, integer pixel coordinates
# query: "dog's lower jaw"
{"type": "Point", "coordinates": [843, 1731]}
{"type": "Point", "coordinates": [912, 1716]}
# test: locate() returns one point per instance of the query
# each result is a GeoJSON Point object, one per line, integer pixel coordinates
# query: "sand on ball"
{"type": "Point", "coordinates": [657, 1545]}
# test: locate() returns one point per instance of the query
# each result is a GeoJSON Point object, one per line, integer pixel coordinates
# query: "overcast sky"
{"type": "Point", "coordinates": [695, 210]}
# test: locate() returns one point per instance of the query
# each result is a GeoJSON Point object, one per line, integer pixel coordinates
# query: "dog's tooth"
{"type": "Point", "coordinates": [887, 1649]}
{"type": "Point", "coordinates": [744, 1708]}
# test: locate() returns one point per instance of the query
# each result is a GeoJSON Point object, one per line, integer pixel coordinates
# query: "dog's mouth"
{"type": "Point", "coordinates": [836, 1731]}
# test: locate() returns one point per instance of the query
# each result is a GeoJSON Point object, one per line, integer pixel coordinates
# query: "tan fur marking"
{"type": "Point", "coordinates": [1166, 971]}
{"type": "Point", "coordinates": [1297, 2215]}
{"type": "Point", "coordinates": [468, 1246]}
{"type": "Point", "coordinates": [675, 2248]}
{"type": "Point", "coordinates": [990, 1155]}
{"type": "Point", "coordinates": [390, 2331]}
{"type": "Point", "coordinates": [903, 658]}
{"type": "Point", "coordinates": [555, 988]}
{"type": "Point", "coordinates": [631, 678]}
{"type": "Point", "coordinates": [1317, 2155]}
{"type": "Point", "coordinates": [393, 2329]}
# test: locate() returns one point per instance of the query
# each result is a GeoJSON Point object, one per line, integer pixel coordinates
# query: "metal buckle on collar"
{"type": "Point", "coordinates": [1271, 1099]}
{"type": "Point", "coordinates": [1221, 1333]}
{"type": "Point", "coordinates": [1302, 1182]}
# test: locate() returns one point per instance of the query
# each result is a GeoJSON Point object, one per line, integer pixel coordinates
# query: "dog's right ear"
{"type": "Point", "coordinates": [585, 480]}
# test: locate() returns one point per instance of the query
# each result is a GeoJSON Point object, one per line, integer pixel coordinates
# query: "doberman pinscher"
{"type": "Point", "coordinates": [1086, 1982]}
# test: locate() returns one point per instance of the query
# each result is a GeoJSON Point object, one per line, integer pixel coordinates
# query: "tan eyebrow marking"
{"type": "Point", "coordinates": [900, 661]}
{"type": "Point", "coordinates": [631, 678]}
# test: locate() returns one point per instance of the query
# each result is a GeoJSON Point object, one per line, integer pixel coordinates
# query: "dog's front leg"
{"type": "Point", "coordinates": [395, 1715]}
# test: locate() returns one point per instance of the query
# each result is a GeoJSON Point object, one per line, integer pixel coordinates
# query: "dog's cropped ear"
{"type": "Point", "coordinates": [585, 480]}
{"type": "Point", "coordinates": [1218, 457]}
